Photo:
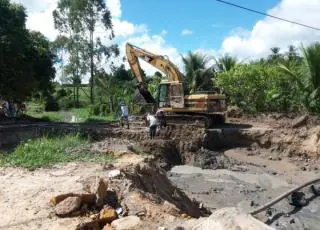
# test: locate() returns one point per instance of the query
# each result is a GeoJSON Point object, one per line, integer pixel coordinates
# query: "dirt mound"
{"type": "Point", "coordinates": [142, 190]}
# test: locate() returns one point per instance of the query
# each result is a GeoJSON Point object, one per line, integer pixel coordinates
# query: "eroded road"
{"type": "Point", "coordinates": [242, 164]}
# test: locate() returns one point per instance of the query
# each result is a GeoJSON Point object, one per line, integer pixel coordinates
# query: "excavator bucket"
{"type": "Point", "coordinates": [143, 97]}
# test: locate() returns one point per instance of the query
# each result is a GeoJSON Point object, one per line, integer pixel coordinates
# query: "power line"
{"type": "Point", "coordinates": [265, 14]}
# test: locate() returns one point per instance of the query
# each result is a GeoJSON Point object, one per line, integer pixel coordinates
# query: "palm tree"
{"type": "Point", "coordinates": [309, 78]}
{"type": "Point", "coordinates": [275, 55]}
{"type": "Point", "coordinates": [226, 63]}
{"type": "Point", "coordinates": [197, 75]}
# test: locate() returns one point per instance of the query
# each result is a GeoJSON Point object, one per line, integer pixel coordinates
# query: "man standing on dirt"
{"type": "Point", "coordinates": [124, 114]}
{"type": "Point", "coordinates": [153, 122]}
{"type": "Point", "coordinates": [161, 118]}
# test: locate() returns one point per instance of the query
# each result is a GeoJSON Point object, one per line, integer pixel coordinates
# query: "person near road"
{"type": "Point", "coordinates": [153, 122]}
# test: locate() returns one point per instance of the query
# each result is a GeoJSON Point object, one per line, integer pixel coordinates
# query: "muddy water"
{"type": "Point", "coordinates": [247, 188]}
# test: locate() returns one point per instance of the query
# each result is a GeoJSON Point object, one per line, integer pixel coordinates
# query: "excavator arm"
{"type": "Point", "coordinates": [162, 63]}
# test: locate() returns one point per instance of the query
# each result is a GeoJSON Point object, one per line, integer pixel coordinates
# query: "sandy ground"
{"type": "Point", "coordinates": [25, 195]}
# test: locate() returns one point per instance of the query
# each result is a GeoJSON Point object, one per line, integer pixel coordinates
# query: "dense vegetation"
{"type": "Point", "coordinates": [284, 81]}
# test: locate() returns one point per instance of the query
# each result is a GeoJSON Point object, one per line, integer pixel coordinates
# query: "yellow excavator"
{"type": "Point", "coordinates": [207, 107]}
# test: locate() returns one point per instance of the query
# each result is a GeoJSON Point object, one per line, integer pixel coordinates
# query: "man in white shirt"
{"type": "Point", "coordinates": [124, 115]}
{"type": "Point", "coordinates": [153, 122]}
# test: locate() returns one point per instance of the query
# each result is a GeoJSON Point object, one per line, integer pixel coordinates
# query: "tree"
{"type": "Point", "coordinates": [308, 76]}
{"type": "Point", "coordinates": [110, 90]}
{"type": "Point", "coordinates": [275, 56]}
{"type": "Point", "coordinates": [121, 74]}
{"type": "Point", "coordinates": [197, 75]}
{"type": "Point", "coordinates": [43, 59]}
{"type": "Point", "coordinates": [158, 74]}
{"type": "Point", "coordinates": [79, 20]}
{"type": "Point", "coordinates": [226, 63]}
{"type": "Point", "coordinates": [26, 61]}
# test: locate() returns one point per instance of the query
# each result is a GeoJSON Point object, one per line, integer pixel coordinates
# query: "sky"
{"type": "Point", "coordinates": [174, 27]}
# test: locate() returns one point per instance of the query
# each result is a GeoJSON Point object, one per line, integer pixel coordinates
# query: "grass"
{"type": "Point", "coordinates": [44, 152]}
{"type": "Point", "coordinates": [47, 116]}
{"type": "Point", "coordinates": [82, 115]}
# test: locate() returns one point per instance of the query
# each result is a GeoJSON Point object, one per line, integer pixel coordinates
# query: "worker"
{"type": "Point", "coordinates": [153, 122]}
{"type": "Point", "coordinates": [124, 114]}
{"type": "Point", "coordinates": [161, 118]}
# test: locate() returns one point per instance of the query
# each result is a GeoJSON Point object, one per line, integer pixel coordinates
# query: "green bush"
{"type": "Point", "coordinates": [66, 103]}
{"type": "Point", "coordinates": [259, 88]}
{"type": "Point", "coordinates": [61, 93]}
{"type": "Point", "coordinates": [51, 104]}
{"type": "Point", "coordinates": [94, 110]}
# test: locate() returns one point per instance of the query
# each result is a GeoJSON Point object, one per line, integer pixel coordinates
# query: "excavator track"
{"type": "Point", "coordinates": [205, 121]}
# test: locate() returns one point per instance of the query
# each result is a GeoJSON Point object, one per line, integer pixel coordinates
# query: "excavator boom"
{"type": "Point", "coordinates": [162, 63]}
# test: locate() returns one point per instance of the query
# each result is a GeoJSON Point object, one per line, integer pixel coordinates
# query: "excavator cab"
{"type": "Point", "coordinates": [170, 95]}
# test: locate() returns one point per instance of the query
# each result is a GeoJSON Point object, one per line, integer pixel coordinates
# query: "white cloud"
{"type": "Point", "coordinates": [114, 7]}
{"type": "Point", "coordinates": [123, 28]}
{"type": "Point", "coordinates": [40, 16]}
{"type": "Point", "coordinates": [163, 32]}
{"type": "Point", "coordinates": [270, 32]}
{"type": "Point", "coordinates": [185, 32]}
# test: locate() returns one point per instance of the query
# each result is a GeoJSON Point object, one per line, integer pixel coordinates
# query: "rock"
{"type": "Point", "coordinates": [171, 208]}
{"type": "Point", "coordinates": [67, 206]}
{"type": "Point", "coordinates": [162, 228]}
{"type": "Point", "coordinates": [184, 215]}
{"type": "Point", "coordinates": [230, 219]}
{"type": "Point", "coordinates": [299, 121]}
{"type": "Point", "coordinates": [114, 173]}
{"type": "Point", "coordinates": [57, 199]}
{"type": "Point", "coordinates": [133, 204]}
{"type": "Point", "coordinates": [108, 227]}
{"type": "Point", "coordinates": [91, 225]}
{"type": "Point", "coordinates": [126, 223]}
{"type": "Point", "coordinates": [107, 215]}
{"type": "Point", "coordinates": [100, 190]}
{"type": "Point", "coordinates": [85, 198]}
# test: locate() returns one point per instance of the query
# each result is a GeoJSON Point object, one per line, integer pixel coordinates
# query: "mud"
{"type": "Point", "coordinates": [249, 186]}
